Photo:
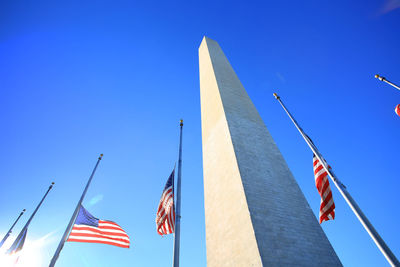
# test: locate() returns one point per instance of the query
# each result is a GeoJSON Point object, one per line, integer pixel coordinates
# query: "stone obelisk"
{"type": "Point", "coordinates": [256, 214]}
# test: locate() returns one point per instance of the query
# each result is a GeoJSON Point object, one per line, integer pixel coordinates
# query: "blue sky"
{"type": "Point", "coordinates": [82, 78]}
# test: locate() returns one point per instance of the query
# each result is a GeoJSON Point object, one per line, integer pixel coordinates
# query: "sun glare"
{"type": "Point", "coordinates": [30, 256]}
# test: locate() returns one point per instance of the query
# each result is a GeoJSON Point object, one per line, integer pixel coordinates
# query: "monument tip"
{"type": "Point", "coordinates": [207, 39]}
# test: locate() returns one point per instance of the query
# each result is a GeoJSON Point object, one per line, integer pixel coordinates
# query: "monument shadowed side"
{"type": "Point", "coordinates": [256, 214]}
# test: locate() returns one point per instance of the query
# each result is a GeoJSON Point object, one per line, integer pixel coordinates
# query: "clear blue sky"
{"type": "Point", "coordinates": [80, 78]}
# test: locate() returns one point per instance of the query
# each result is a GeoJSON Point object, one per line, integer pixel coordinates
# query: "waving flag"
{"type": "Point", "coordinates": [18, 243]}
{"type": "Point", "coordinates": [89, 229]}
{"type": "Point", "coordinates": [165, 219]}
{"type": "Point", "coordinates": [327, 208]}
{"type": "Point", "coordinates": [397, 110]}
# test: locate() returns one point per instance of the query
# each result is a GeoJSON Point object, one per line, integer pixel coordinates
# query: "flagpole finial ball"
{"type": "Point", "coordinates": [377, 76]}
{"type": "Point", "coordinates": [23, 210]}
{"type": "Point", "coordinates": [52, 183]}
{"type": "Point", "coordinates": [276, 96]}
{"type": "Point", "coordinates": [101, 155]}
{"type": "Point", "coordinates": [181, 122]}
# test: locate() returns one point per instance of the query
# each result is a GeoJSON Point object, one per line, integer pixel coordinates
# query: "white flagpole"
{"type": "Point", "coordinates": [390, 257]}
{"type": "Point", "coordinates": [9, 231]}
{"type": "Point", "coordinates": [72, 220]}
{"type": "Point", "coordinates": [15, 244]}
{"type": "Point", "coordinates": [383, 79]}
{"type": "Point", "coordinates": [178, 204]}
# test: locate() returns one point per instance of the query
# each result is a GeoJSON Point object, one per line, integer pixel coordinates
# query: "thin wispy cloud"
{"type": "Point", "coordinates": [389, 6]}
{"type": "Point", "coordinates": [281, 77]}
{"type": "Point", "coordinates": [96, 199]}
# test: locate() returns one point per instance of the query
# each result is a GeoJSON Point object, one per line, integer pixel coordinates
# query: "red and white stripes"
{"type": "Point", "coordinates": [327, 208]}
{"type": "Point", "coordinates": [107, 232]}
{"type": "Point", "coordinates": [397, 110]}
{"type": "Point", "coordinates": [165, 219]}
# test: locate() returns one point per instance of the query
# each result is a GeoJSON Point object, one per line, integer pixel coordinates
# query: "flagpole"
{"type": "Point", "coordinates": [383, 79]}
{"type": "Point", "coordinates": [178, 204]}
{"type": "Point", "coordinates": [72, 220]}
{"type": "Point", "coordinates": [390, 257]}
{"type": "Point", "coordinates": [9, 231]}
{"type": "Point", "coordinates": [16, 242]}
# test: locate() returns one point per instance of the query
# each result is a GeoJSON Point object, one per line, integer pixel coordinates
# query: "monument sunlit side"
{"type": "Point", "coordinates": [256, 214]}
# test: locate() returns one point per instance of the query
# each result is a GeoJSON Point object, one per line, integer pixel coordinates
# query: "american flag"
{"type": "Point", "coordinates": [397, 110]}
{"type": "Point", "coordinates": [327, 208]}
{"type": "Point", "coordinates": [89, 229]}
{"type": "Point", "coordinates": [19, 242]}
{"type": "Point", "coordinates": [165, 219]}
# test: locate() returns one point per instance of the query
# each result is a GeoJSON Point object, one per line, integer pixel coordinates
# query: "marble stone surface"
{"type": "Point", "coordinates": [256, 214]}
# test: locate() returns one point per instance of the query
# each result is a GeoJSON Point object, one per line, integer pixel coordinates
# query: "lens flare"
{"type": "Point", "coordinates": [31, 254]}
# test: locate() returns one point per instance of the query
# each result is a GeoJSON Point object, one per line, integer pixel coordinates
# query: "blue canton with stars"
{"type": "Point", "coordinates": [84, 217]}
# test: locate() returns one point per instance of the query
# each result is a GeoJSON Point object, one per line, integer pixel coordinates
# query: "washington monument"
{"type": "Point", "coordinates": [256, 214]}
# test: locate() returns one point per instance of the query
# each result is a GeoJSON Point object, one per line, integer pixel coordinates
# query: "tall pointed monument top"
{"type": "Point", "coordinates": [205, 39]}
{"type": "Point", "coordinates": [256, 214]}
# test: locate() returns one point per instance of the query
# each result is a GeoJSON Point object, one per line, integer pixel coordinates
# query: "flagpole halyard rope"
{"type": "Point", "coordinates": [390, 257]}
